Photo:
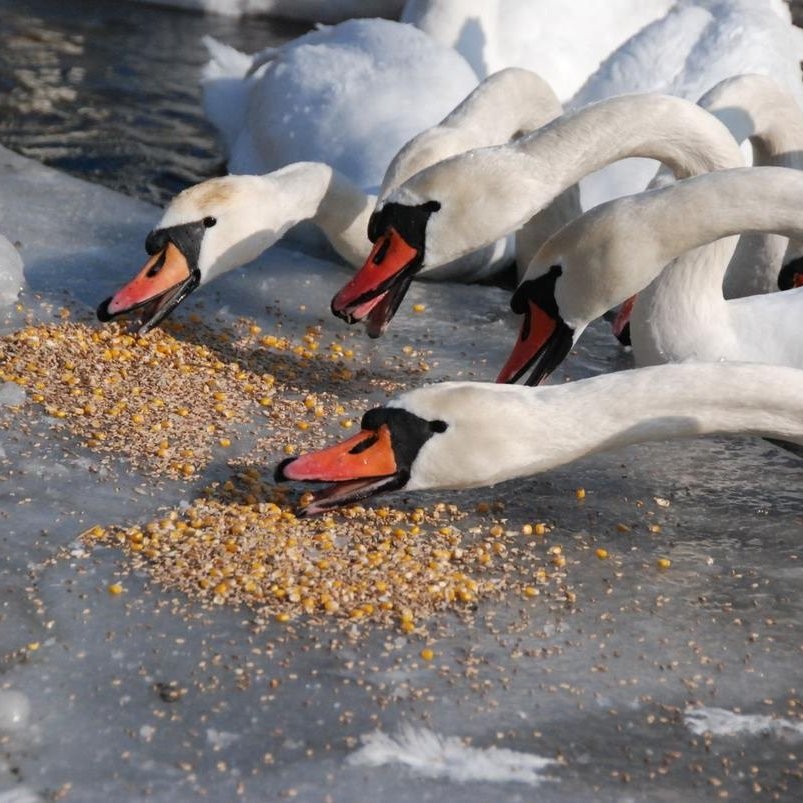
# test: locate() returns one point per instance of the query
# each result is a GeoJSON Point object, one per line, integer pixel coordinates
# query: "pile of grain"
{"type": "Point", "coordinates": [166, 402]}
{"type": "Point", "coordinates": [242, 544]}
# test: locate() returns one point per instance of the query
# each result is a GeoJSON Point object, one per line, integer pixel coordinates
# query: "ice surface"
{"type": "Point", "coordinates": [601, 684]}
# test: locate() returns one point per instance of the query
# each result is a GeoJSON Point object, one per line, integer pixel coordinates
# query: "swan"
{"type": "Point", "coordinates": [562, 40]}
{"type": "Point", "coordinates": [223, 223]}
{"type": "Point", "coordinates": [697, 44]}
{"type": "Point", "coordinates": [469, 434]}
{"type": "Point", "coordinates": [349, 95]}
{"type": "Point", "coordinates": [472, 199]}
{"type": "Point", "coordinates": [755, 109]}
{"type": "Point", "coordinates": [619, 248]}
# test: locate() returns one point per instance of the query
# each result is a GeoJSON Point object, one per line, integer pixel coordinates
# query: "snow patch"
{"type": "Point", "coordinates": [11, 272]}
{"type": "Point", "coordinates": [721, 722]}
{"type": "Point", "coordinates": [435, 756]}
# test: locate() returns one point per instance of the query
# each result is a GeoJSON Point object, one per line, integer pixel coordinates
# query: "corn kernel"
{"type": "Point", "coordinates": [427, 654]}
{"type": "Point", "coordinates": [115, 588]}
{"type": "Point", "coordinates": [602, 554]}
{"type": "Point", "coordinates": [663, 563]}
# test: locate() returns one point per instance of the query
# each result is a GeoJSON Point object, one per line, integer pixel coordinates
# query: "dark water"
{"type": "Point", "coordinates": [109, 90]}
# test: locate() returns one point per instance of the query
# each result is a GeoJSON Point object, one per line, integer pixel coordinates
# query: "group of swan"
{"type": "Point", "coordinates": [251, 213]}
{"type": "Point", "coordinates": [505, 161]}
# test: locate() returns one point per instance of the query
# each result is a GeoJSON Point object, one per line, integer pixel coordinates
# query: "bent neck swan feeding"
{"type": "Point", "coordinates": [225, 222]}
{"type": "Point", "coordinates": [617, 249]}
{"type": "Point", "coordinates": [464, 203]}
{"type": "Point", "coordinates": [469, 434]}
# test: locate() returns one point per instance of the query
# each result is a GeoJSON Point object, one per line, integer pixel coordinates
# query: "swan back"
{"type": "Point", "coordinates": [349, 95]}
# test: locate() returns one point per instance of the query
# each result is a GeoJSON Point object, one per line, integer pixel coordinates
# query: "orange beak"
{"type": "Point", "coordinates": [165, 270]}
{"type": "Point", "coordinates": [621, 322]}
{"type": "Point", "coordinates": [536, 331]}
{"type": "Point", "coordinates": [375, 291]}
{"type": "Point", "coordinates": [358, 467]}
{"type": "Point", "coordinates": [366, 455]}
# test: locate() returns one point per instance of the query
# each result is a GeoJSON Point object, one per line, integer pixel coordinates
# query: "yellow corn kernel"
{"type": "Point", "coordinates": [115, 589]}
{"type": "Point", "coordinates": [663, 563]}
{"type": "Point", "coordinates": [602, 553]}
{"type": "Point", "coordinates": [427, 654]}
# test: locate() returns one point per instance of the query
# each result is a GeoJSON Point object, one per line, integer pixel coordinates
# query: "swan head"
{"type": "Point", "coordinates": [445, 435]}
{"type": "Point", "coordinates": [544, 338]}
{"type": "Point", "coordinates": [398, 232]}
{"type": "Point", "coordinates": [206, 230]}
{"type": "Point", "coordinates": [449, 209]}
{"type": "Point", "coordinates": [380, 458]}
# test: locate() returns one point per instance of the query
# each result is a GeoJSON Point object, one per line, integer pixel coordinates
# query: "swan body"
{"type": "Point", "coordinates": [250, 213]}
{"type": "Point", "coordinates": [562, 40]}
{"type": "Point", "coordinates": [465, 202]}
{"type": "Point", "coordinates": [620, 248]}
{"type": "Point", "coordinates": [349, 95]}
{"type": "Point", "coordinates": [697, 44]}
{"type": "Point", "coordinates": [470, 434]}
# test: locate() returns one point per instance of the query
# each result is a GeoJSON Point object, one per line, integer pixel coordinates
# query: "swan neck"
{"type": "Point", "coordinates": [677, 133]}
{"type": "Point", "coordinates": [659, 403]}
{"type": "Point", "coordinates": [317, 192]}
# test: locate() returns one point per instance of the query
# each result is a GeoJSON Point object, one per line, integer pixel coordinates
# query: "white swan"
{"type": "Point", "coordinates": [562, 40]}
{"type": "Point", "coordinates": [469, 434]}
{"type": "Point", "coordinates": [685, 53]}
{"type": "Point", "coordinates": [619, 248]}
{"type": "Point", "coordinates": [755, 109]}
{"type": "Point", "coordinates": [226, 222]}
{"type": "Point", "coordinates": [464, 203]}
{"type": "Point", "coordinates": [349, 95]}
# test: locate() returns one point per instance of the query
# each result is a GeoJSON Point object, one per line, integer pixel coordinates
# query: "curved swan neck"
{"type": "Point", "coordinates": [697, 211]}
{"type": "Point", "coordinates": [684, 137]}
{"type": "Point", "coordinates": [317, 192]}
{"type": "Point", "coordinates": [505, 105]}
{"type": "Point", "coordinates": [513, 431]}
{"type": "Point", "coordinates": [516, 181]}
{"type": "Point", "coordinates": [755, 107]}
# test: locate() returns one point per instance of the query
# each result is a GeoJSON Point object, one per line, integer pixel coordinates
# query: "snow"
{"type": "Point", "coordinates": [433, 756]}
{"type": "Point", "coordinates": [11, 272]}
{"type": "Point", "coordinates": [721, 722]}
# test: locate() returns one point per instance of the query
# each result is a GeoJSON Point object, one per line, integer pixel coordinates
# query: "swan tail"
{"type": "Point", "coordinates": [225, 90]}
{"type": "Point", "coordinates": [224, 60]}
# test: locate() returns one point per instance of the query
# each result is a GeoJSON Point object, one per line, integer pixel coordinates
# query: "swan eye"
{"type": "Point", "coordinates": [209, 222]}
{"type": "Point", "coordinates": [438, 426]}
